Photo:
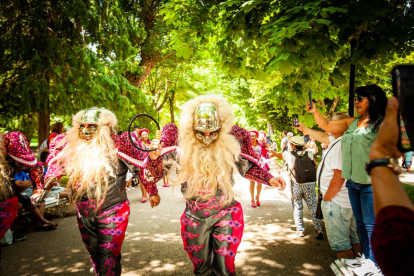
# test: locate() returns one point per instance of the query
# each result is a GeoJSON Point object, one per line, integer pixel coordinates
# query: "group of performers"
{"type": "Point", "coordinates": [209, 152]}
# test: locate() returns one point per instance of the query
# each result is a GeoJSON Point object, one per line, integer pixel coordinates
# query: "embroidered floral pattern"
{"type": "Point", "coordinates": [151, 174]}
{"type": "Point", "coordinates": [196, 260]}
{"type": "Point", "coordinates": [226, 211]}
{"type": "Point", "coordinates": [189, 222]}
{"type": "Point", "coordinates": [112, 232]}
{"type": "Point", "coordinates": [112, 220]}
{"type": "Point", "coordinates": [18, 148]}
{"type": "Point", "coordinates": [169, 135]}
{"type": "Point", "coordinates": [192, 248]}
{"type": "Point", "coordinates": [230, 223]}
{"type": "Point", "coordinates": [189, 235]}
{"type": "Point", "coordinates": [227, 238]}
{"type": "Point", "coordinates": [224, 251]}
{"type": "Point", "coordinates": [111, 263]}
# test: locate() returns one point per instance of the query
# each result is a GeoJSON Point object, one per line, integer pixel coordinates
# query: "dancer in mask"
{"type": "Point", "coordinates": [210, 151]}
{"type": "Point", "coordinates": [97, 161]}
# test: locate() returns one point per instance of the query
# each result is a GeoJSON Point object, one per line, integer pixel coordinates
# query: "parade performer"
{"type": "Point", "coordinates": [261, 139]}
{"type": "Point", "coordinates": [15, 153]}
{"type": "Point", "coordinates": [210, 152]}
{"type": "Point", "coordinates": [169, 139]}
{"type": "Point", "coordinates": [97, 161]}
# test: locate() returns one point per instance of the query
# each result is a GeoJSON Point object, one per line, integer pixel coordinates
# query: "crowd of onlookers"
{"type": "Point", "coordinates": [346, 189]}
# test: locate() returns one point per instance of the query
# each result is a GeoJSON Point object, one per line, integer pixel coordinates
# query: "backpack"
{"type": "Point", "coordinates": [305, 170]}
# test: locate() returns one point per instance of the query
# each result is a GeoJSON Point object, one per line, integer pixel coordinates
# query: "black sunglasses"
{"type": "Point", "coordinates": [359, 98]}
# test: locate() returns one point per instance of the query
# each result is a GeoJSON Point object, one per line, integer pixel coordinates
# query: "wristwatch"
{"type": "Point", "coordinates": [391, 163]}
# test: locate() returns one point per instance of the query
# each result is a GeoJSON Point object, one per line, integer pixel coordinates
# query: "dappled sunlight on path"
{"type": "Point", "coordinates": [153, 244]}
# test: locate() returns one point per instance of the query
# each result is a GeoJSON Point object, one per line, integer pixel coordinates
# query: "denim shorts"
{"type": "Point", "coordinates": [341, 226]}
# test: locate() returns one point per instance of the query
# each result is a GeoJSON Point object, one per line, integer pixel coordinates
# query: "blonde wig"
{"type": "Point", "coordinates": [5, 172]}
{"type": "Point", "coordinates": [207, 169]}
{"type": "Point", "coordinates": [90, 164]}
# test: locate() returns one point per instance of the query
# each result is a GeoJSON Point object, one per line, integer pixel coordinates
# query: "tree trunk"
{"type": "Point", "coordinates": [43, 125]}
{"type": "Point", "coordinates": [333, 107]}
{"type": "Point", "coordinates": [171, 99]}
{"type": "Point", "coordinates": [270, 128]}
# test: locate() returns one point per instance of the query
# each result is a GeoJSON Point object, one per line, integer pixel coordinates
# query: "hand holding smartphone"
{"type": "Point", "coordinates": [403, 89]}
{"type": "Point", "coordinates": [310, 97]}
{"type": "Point", "coordinates": [295, 120]}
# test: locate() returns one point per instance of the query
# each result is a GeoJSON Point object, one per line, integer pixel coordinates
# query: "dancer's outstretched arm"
{"type": "Point", "coordinates": [150, 164]}
{"type": "Point", "coordinates": [252, 170]}
{"type": "Point", "coordinates": [54, 169]}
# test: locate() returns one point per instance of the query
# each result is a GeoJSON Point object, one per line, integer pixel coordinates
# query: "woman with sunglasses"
{"type": "Point", "coordinates": [358, 136]}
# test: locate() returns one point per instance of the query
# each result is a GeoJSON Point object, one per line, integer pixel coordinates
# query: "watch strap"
{"type": "Point", "coordinates": [380, 163]}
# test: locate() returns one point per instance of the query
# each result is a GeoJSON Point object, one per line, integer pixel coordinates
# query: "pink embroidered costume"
{"type": "Point", "coordinates": [97, 161]}
{"type": "Point", "coordinates": [15, 153]}
{"type": "Point", "coordinates": [210, 152]}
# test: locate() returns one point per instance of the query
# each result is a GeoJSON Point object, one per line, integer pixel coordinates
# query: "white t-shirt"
{"type": "Point", "coordinates": [128, 176]}
{"type": "Point", "coordinates": [291, 162]}
{"type": "Point", "coordinates": [333, 161]}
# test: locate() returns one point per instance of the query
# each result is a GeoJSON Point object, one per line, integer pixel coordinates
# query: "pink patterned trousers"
{"type": "Point", "coordinates": [211, 236]}
{"type": "Point", "coordinates": [103, 234]}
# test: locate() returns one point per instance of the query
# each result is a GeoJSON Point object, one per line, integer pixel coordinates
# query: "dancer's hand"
{"type": "Point", "coordinates": [53, 182]}
{"type": "Point", "coordinates": [154, 199]}
{"type": "Point", "coordinates": [34, 198]}
{"type": "Point", "coordinates": [278, 182]}
{"type": "Point", "coordinates": [155, 145]}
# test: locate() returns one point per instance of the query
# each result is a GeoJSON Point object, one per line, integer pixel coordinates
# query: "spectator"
{"type": "Point", "coordinates": [340, 223]}
{"type": "Point", "coordinates": [128, 181]}
{"type": "Point", "coordinates": [408, 158]}
{"type": "Point", "coordinates": [302, 167]}
{"type": "Point", "coordinates": [57, 129]}
{"type": "Point", "coordinates": [261, 139]}
{"type": "Point", "coordinates": [136, 130]}
{"type": "Point", "coordinates": [285, 142]}
{"type": "Point", "coordinates": [143, 133]}
{"type": "Point", "coordinates": [358, 137]}
{"type": "Point", "coordinates": [24, 189]}
{"type": "Point", "coordinates": [258, 149]}
{"type": "Point", "coordinates": [306, 137]}
{"type": "Point", "coordinates": [311, 145]}
{"type": "Point", "coordinates": [393, 235]}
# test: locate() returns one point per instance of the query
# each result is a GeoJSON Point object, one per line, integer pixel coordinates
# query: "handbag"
{"type": "Point", "coordinates": [319, 214]}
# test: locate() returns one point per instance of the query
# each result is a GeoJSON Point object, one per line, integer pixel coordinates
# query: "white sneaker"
{"type": "Point", "coordinates": [91, 271]}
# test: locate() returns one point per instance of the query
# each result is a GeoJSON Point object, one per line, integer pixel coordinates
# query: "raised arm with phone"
{"type": "Point", "coordinates": [358, 137]}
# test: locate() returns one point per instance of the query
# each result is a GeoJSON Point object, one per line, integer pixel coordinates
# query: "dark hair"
{"type": "Point", "coordinates": [298, 148]}
{"type": "Point", "coordinates": [57, 127]}
{"type": "Point", "coordinates": [120, 132]}
{"type": "Point", "coordinates": [377, 104]}
{"type": "Point", "coordinates": [43, 156]}
{"type": "Point", "coordinates": [285, 132]}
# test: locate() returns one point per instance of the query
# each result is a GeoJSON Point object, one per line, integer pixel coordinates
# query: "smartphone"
{"type": "Point", "coordinates": [310, 97]}
{"type": "Point", "coordinates": [295, 120]}
{"type": "Point", "coordinates": [403, 89]}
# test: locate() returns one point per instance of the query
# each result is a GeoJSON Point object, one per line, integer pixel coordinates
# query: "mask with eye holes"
{"type": "Point", "coordinates": [206, 123]}
{"type": "Point", "coordinates": [89, 124]}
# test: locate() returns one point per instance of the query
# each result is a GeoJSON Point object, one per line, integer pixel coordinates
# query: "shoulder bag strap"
{"type": "Point", "coordinates": [322, 165]}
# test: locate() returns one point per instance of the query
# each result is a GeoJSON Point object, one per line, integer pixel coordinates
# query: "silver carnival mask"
{"type": "Point", "coordinates": [89, 124]}
{"type": "Point", "coordinates": [206, 123]}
